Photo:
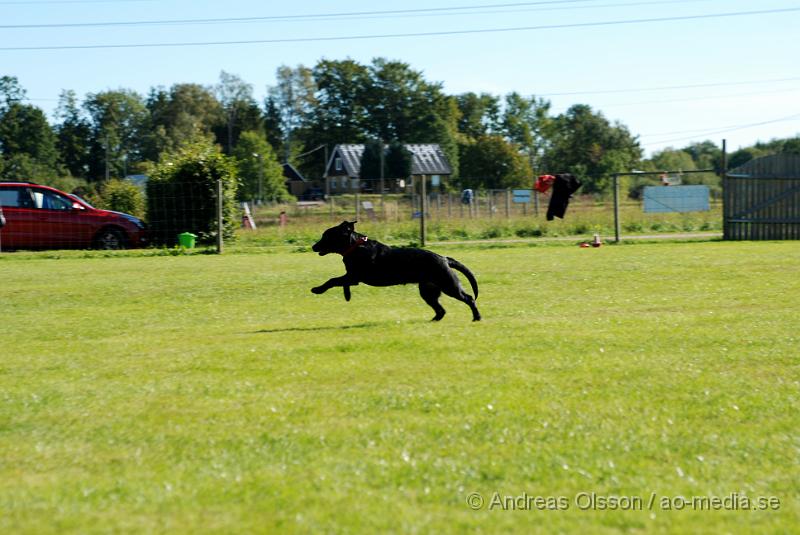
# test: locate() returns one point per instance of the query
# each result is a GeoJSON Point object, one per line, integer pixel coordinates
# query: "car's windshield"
{"type": "Point", "coordinates": [84, 201]}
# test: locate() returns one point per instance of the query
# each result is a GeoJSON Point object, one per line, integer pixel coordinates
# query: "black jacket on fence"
{"type": "Point", "coordinates": [563, 187]}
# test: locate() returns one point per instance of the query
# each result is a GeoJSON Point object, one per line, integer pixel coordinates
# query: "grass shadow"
{"type": "Point", "coordinates": [364, 325]}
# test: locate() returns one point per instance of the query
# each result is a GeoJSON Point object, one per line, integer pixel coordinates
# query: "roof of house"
{"type": "Point", "coordinates": [426, 159]}
{"type": "Point", "coordinates": [290, 172]}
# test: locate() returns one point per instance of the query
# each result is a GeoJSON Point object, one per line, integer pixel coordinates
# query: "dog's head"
{"type": "Point", "coordinates": [335, 239]}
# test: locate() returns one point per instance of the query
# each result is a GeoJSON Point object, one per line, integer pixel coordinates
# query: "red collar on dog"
{"type": "Point", "coordinates": [358, 243]}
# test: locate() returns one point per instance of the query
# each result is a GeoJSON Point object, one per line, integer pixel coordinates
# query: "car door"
{"type": "Point", "coordinates": [22, 221]}
{"type": "Point", "coordinates": [60, 223]}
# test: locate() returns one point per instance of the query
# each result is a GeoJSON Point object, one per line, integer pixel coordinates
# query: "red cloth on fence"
{"type": "Point", "coordinates": [543, 183]}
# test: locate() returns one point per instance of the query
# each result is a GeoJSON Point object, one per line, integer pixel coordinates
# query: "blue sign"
{"type": "Point", "coordinates": [522, 195]}
{"type": "Point", "coordinates": [676, 198]}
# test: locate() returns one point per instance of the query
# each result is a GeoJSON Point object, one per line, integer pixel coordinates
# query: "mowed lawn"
{"type": "Point", "coordinates": [216, 394]}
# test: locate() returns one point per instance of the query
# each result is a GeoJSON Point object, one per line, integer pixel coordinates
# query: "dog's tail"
{"type": "Point", "coordinates": [458, 266]}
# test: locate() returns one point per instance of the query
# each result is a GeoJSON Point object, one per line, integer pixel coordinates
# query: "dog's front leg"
{"type": "Point", "coordinates": [344, 280]}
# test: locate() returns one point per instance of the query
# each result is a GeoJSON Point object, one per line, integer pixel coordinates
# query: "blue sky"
{"type": "Point", "coordinates": [670, 81]}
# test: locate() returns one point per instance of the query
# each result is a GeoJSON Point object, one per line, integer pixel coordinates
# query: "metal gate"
{"type": "Point", "coordinates": [762, 199]}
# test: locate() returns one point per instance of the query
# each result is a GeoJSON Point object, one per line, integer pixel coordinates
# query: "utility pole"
{"type": "Point", "coordinates": [107, 169]}
{"type": "Point", "coordinates": [230, 127]}
{"type": "Point", "coordinates": [260, 158]}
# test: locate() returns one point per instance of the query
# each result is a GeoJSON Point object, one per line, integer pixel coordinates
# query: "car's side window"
{"type": "Point", "coordinates": [54, 201]}
{"type": "Point", "coordinates": [47, 200]}
{"type": "Point", "coordinates": [16, 198]}
{"type": "Point", "coordinates": [9, 198]}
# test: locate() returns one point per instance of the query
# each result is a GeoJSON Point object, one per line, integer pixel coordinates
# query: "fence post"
{"type": "Point", "coordinates": [726, 231]}
{"type": "Point", "coordinates": [422, 213]}
{"type": "Point", "coordinates": [508, 204]}
{"type": "Point", "coordinates": [536, 203]}
{"type": "Point", "coordinates": [358, 207]}
{"type": "Point", "coordinates": [219, 217]}
{"type": "Point", "coordinates": [616, 208]}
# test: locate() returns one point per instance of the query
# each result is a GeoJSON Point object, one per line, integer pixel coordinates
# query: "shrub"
{"type": "Point", "coordinates": [122, 196]}
{"type": "Point", "coordinates": [182, 195]}
{"type": "Point", "coordinates": [581, 228]}
{"type": "Point", "coordinates": [528, 232]}
{"type": "Point", "coordinates": [492, 233]}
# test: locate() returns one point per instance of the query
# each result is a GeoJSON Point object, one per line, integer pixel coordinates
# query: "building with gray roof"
{"type": "Point", "coordinates": [343, 169]}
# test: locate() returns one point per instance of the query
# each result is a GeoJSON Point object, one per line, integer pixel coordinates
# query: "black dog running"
{"type": "Point", "coordinates": [376, 264]}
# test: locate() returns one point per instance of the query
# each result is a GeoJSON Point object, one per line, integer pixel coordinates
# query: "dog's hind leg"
{"type": "Point", "coordinates": [430, 293]}
{"type": "Point", "coordinates": [457, 292]}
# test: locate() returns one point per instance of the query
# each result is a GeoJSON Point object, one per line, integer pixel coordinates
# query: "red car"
{"type": "Point", "coordinates": [41, 217]}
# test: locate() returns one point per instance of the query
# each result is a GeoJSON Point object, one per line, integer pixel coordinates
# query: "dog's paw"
{"type": "Point", "coordinates": [347, 293]}
{"type": "Point", "coordinates": [318, 290]}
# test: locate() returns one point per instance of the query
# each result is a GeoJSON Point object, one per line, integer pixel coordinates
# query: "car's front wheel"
{"type": "Point", "coordinates": [110, 239]}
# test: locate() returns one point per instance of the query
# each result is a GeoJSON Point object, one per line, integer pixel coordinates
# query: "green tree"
{"type": "Point", "coordinates": [261, 176]}
{"type": "Point", "coordinates": [73, 135]}
{"type": "Point", "coordinates": [397, 162]}
{"type": "Point", "coordinates": [742, 156]}
{"type": "Point", "coordinates": [21, 166]}
{"type": "Point", "coordinates": [491, 162]}
{"type": "Point", "coordinates": [120, 128]}
{"type": "Point", "coordinates": [402, 105]}
{"type": "Point", "coordinates": [394, 158]}
{"type": "Point", "coordinates": [371, 160]}
{"type": "Point", "coordinates": [11, 92]}
{"type": "Point", "coordinates": [181, 116]}
{"type": "Point", "coordinates": [527, 123]}
{"type": "Point", "coordinates": [340, 113]}
{"type": "Point", "coordinates": [294, 96]}
{"type": "Point", "coordinates": [273, 125]}
{"type": "Point", "coordinates": [586, 144]}
{"type": "Point", "coordinates": [240, 109]}
{"type": "Point", "coordinates": [792, 146]}
{"type": "Point", "coordinates": [479, 114]}
{"type": "Point", "coordinates": [24, 130]}
{"type": "Point", "coordinates": [672, 160]}
{"type": "Point", "coordinates": [706, 155]}
{"type": "Point", "coordinates": [353, 103]}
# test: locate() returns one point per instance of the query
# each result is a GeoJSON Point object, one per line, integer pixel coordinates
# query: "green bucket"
{"type": "Point", "coordinates": [186, 240]}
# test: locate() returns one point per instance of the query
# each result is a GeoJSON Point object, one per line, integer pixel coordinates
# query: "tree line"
{"type": "Point", "coordinates": [492, 141]}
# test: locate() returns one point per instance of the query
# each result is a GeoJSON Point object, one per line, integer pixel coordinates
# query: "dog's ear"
{"type": "Point", "coordinates": [349, 224]}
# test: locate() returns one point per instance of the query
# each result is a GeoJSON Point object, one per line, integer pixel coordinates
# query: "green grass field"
{"type": "Point", "coordinates": [216, 394]}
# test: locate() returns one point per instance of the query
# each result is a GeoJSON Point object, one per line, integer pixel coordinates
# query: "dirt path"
{"type": "Point", "coordinates": [606, 239]}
